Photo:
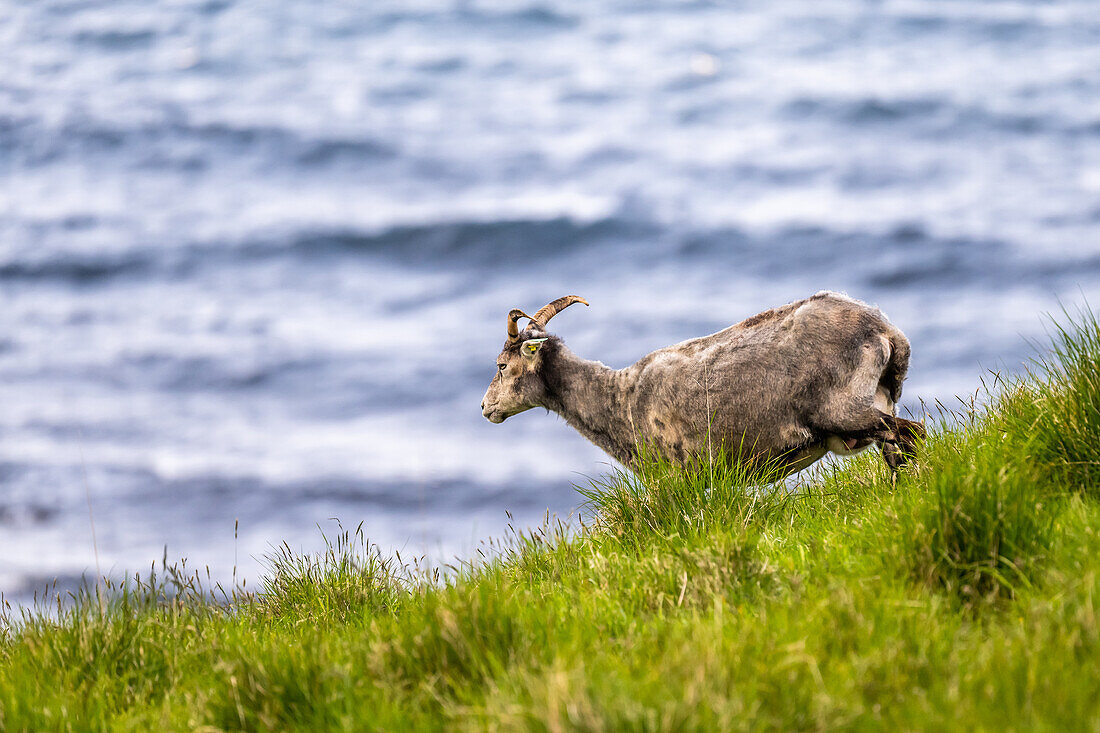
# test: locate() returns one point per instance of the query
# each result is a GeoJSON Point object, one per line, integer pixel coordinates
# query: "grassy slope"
{"type": "Point", "coordinates": [963, 596]}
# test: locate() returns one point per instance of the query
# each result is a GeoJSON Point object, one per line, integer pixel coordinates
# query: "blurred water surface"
{"type": "Point", "coordinates": [255, 256]}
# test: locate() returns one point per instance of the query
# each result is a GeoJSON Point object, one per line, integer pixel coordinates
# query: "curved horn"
{"type": "Point", "coordinates": [553, 308]}
{"type": "Point", "coordinates": [514, 315]}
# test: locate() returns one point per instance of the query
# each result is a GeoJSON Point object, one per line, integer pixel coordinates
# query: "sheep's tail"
{"type": "Point", "coordinates": [897, 366]}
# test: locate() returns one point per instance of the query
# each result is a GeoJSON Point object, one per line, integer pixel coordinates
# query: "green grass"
{"type": "Point", "coordinates": [962, 596]}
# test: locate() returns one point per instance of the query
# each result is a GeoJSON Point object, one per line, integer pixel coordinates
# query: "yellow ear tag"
{"type": "Point", "coordinates": [532, 345]}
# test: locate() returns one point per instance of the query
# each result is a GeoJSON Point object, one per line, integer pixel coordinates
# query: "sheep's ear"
{"type": "Point", "coordinates": [530, 347]}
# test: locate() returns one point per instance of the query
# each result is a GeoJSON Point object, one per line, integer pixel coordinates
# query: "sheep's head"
{"type": "Point", "coordinates": [518, 384]}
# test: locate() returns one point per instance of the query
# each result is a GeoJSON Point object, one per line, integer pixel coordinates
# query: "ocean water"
{"type": "Point", "coordinates": [255, 257]}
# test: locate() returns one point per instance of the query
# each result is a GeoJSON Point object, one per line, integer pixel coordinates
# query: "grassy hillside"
{"type": "Point", "coordinates": [965, 596]}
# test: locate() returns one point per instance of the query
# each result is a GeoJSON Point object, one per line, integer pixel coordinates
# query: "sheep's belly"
{"type": "Point", "coordinates": [842, 447]}
{"type": "Point", "coordinates": [810, 454]}
{"type": "Point", "coordinates": [803, 458]}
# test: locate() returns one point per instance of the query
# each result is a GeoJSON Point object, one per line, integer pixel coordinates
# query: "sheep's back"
{"type": "Point", "coordinates": [754, 383]}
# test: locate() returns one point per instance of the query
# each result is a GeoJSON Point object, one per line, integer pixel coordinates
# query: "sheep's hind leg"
{"type": "Point", "coordinates": [909, 433]}
{"type": "Point", "coordinates": [853, 417]}
{"type": "Point", "coordinates": [858, 424]}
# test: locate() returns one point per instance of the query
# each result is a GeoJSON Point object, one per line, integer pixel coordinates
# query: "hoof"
{"type": "Point", "coordinates": [894, 456]}
{"type": "Point", "coordinates": [899, 452]}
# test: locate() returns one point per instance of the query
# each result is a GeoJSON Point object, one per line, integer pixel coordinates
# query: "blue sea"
{"type": "Point", "coordinates": [255, 257]}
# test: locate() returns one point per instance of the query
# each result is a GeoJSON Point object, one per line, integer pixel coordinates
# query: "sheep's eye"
{"type": "Point", "coordinates": [500, 367]}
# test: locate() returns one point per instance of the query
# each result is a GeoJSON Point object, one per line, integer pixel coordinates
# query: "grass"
{"type": "Point", "coordinates": [962, 596]}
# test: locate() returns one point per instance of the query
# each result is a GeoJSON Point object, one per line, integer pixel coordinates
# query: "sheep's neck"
{"type": "Point", "coordinates": [594, 399]}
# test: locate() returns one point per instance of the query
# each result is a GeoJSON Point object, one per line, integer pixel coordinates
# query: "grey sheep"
{"type": "Point", "coordinates": [784, 387]}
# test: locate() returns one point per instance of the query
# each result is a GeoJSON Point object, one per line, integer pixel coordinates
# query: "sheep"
{"type": "Point", "coordinates": [783, 387]}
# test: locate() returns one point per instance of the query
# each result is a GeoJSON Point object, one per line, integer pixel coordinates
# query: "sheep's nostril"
{"type": "Point", "coordinates": [483, 405]}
